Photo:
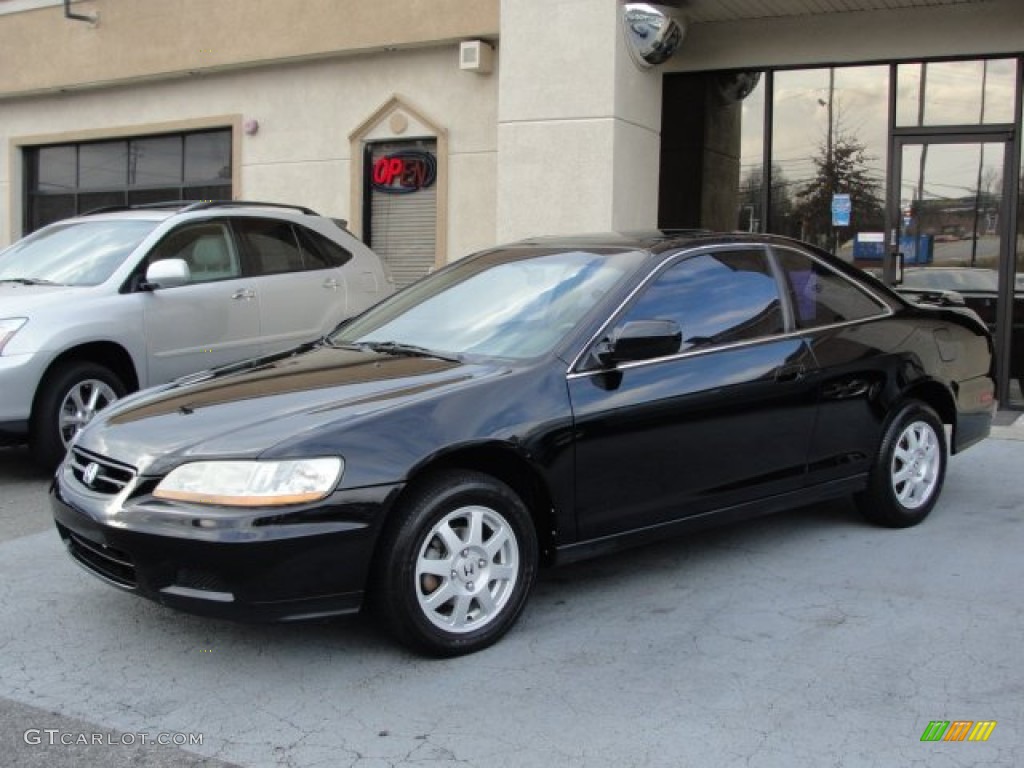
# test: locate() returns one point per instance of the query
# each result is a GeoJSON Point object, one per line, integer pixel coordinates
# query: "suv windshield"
{"type": "Point", "coordinates": [73, 252]}
{"type": "Point", "coordinates": [513, 305]}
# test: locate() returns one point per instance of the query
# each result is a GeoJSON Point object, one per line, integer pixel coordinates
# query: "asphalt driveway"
{"type": "Point", "coordinates": [804, 639]}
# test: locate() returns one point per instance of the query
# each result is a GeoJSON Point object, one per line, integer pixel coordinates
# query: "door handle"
{"type": "Point", "coordinates": [243, 294]}
{"type": "Point", "coordinates": [331, 283]}
{"type": "Point", "coordinates": [787, 373]}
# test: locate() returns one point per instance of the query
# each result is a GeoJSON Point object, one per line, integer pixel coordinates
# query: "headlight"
{"type": "Point", "coordinates": [252, 483]}
{"type": "Point", "coordinates": [8, 327]}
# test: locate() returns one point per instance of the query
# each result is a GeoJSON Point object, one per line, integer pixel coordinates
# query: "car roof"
{"type": "Point", "coordinates": [655, 241]}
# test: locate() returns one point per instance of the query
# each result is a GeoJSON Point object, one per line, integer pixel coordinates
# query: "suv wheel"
{"type": "Point", "coordinates": [69, 397]}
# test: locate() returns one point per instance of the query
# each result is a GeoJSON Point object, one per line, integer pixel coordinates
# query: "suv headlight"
{"type": "Point", "coordinates": [8, 327]}
{"type": "Point", "coordinates": [252, 483]}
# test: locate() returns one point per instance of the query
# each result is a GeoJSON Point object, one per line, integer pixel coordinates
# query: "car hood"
{"type": "Point", "coordinates": [245, 414]}
{"type": "Point", "coordinates": [18, 300]}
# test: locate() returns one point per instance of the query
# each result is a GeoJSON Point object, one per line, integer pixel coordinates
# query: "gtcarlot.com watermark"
{"type": "Point", "coordinates": [55, 737]}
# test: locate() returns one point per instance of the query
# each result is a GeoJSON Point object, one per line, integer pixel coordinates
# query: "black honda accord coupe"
{"type": "Point", "coordinates": [528, 405]}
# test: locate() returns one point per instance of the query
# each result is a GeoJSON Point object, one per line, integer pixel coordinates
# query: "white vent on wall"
{"type": "Point", "coordinates": [476, 56]}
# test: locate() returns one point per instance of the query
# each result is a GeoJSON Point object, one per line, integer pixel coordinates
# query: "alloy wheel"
{"type": "Point", "coordinates": [916, 465]}
{"type": "Point", "coordinates": [467, 569]}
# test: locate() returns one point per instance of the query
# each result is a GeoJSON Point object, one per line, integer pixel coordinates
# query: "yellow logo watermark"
{"type": "Point", "coordinates": [958, 730]}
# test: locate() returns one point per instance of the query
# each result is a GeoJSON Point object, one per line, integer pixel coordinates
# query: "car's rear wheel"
{"type": "Point", "coordinates": [909, 470]}
{"type": "Point", "coordinates": [69, 398]}
{"type": "Point", "coordinates": [456, 565]}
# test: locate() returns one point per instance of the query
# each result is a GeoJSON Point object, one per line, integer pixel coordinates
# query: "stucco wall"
{"type": "Point", "coordinates": [147, 39]}
{"type": "Point", "coordinates": [306, 111]}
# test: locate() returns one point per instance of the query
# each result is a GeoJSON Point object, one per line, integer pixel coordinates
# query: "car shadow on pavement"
{"type": "Point", "coordinates": [16, 465]}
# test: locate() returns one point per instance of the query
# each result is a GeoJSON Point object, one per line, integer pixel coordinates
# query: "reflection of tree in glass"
{"type": "Point", "coordinates": [843, 168]}
{"type": "Point", "coordinates": [750, 219]}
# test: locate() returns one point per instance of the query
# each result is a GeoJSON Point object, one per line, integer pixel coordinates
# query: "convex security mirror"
{"type": "Point", "coordinates": [652, 32]}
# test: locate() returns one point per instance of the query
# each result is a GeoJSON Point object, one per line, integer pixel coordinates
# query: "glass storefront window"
{"type": "Point", "coordinates": [1017, 332]}
{"type": "Point", "coordinates": [830, 137]}
{"type": "Point", "coordinates": [154, 162]}
{"type": "Point", "coordinates": [955, 92]}
{"type": "Point", "coordinates": [103, 165]}
{"type": "Point", "coordinates": [57, 169]}
{"type": "Point", "coordinates": [70, 179]}
{"type": "Point", "coordinates": [750, 216]}
{"type": "Point", "coordinates": [207, 157]}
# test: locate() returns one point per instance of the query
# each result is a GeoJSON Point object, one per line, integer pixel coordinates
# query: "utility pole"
{"type": "Point", "coordinates": [829, 159]}
{"type": "Point", "coordinates": [981, 167]}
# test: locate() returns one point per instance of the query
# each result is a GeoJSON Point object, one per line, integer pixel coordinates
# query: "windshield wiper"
{"type": "Point", "coordinates": [27, 281]}
{"type": "Point", "coordinates": [397, 348]}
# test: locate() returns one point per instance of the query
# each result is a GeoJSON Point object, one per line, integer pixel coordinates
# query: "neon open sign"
{"type": "Point", "coordinates": [405, 171]}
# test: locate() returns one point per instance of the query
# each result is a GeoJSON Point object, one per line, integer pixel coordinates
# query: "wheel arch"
{"type": "Point", "coordinates": [106, 353]}
{"type": "Point", "coordinates": [935, 396]}
{"type": "Point", "coordinates": [504, 463]}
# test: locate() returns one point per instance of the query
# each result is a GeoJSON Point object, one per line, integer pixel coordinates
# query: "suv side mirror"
{"type": "Point", "coordinates": [166, 273]}
{"type": "Point", "coordinates": [641, 340]}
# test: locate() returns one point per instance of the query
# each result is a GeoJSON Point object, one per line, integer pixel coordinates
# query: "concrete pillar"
{"type": "Point", "coordinates": [578, 123]}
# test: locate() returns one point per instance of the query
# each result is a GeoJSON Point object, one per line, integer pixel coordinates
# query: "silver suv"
{"type": "Point", "coordinates": [100, 305]}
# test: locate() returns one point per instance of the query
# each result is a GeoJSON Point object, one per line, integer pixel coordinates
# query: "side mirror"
{"type": "Point", "coordinates": [166, 273]}
{"type": "Point", "coordinates": [641, 340]}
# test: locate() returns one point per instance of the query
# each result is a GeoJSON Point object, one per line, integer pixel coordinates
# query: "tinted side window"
{"type": "Point", "coordinates": [271, 245]}
{"type": "Point", "coordinates": [717, 297]}
{"type": "Point", "coordinates": [207, 248]}
{"type": "Point", "coordinates": [319, 252]}
{"type": "Point", "coordinates": [821, 296]}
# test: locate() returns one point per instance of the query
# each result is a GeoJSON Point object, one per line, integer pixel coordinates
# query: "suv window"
{"type": "Point", "coordinates": [716, 297]}
{"type": "Point", "coordinates": [271, 245]}
{"type": "Point", "coordinates": [207, 248]}
{"type": "Point", "coordinates": [280, 246]}
{"type": "Point", "coordinates": [821, 296]}
{"type": "Point", "coordinates": [319, 252]}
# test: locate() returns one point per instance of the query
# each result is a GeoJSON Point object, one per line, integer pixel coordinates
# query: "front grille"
{"type": "Point", "coordinates": [100, 474]}
{"type": "Point", "coordinates": [106, 562]}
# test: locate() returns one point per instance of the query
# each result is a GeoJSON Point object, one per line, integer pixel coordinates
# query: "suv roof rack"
{"type": "Point", "coordinates": [203, 205]}
{"type": "Point", "coordinates": [139, 207]}
{"type": "Point", "coordinates": [187, 206]}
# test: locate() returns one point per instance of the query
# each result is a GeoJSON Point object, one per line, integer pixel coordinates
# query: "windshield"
{"type": "Point", "coordinates": [74, 252]}
{"type": "Point", "coordinates": [501, 304]}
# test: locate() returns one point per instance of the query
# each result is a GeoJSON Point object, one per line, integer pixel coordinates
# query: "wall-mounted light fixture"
{"type": "Point", "coordinates": [653, 32]}
{"type": "Point", "coordinates": [251, 126]}
{"type": "Point", "coordinates": [476, 56]}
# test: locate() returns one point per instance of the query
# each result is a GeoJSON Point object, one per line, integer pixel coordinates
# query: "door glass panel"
{"type": "Point", "coordinates": [951, 218]}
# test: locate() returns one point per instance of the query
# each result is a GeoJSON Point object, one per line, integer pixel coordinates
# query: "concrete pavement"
{"type": "Point", "coordinates": [805, 639]}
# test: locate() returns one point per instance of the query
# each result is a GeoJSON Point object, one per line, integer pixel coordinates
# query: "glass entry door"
{"type": "Point", "coordinates": [951, 223]}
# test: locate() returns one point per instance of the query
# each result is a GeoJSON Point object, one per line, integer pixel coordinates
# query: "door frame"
{"type": "Point", "coordinates": [983, 134]}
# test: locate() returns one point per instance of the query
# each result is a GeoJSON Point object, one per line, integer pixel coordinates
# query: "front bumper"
{"type": "Point", "coordinates": [19, 379]}
{"type": "Point", "coordinates": [253, 565]}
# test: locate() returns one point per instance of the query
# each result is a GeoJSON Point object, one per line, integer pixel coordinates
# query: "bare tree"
{"type": "Point", "coordinates": [841, 166]}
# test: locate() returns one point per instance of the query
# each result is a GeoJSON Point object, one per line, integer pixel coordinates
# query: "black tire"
{"type": "Point", "coordinates": [53, 422]}
{"type": "Point", "coordinates": [481, 579]}
{"type": "Point", "coordinates": [908, 472]}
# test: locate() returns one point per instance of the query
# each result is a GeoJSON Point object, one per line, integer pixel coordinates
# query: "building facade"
{"type": "Point", "coordinates": [439, 128]}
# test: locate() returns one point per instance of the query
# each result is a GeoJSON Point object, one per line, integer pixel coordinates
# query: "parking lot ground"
{"type": "Point", "coordinates": [809, 638]}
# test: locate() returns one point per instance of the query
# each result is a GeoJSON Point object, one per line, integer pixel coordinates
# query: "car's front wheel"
{"type": "Point", "coordinates": [457, 564]}
{"type": "Point", "coordinates": [70, 396]}
{"type": "Point", "coordinates": [909, 470]}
